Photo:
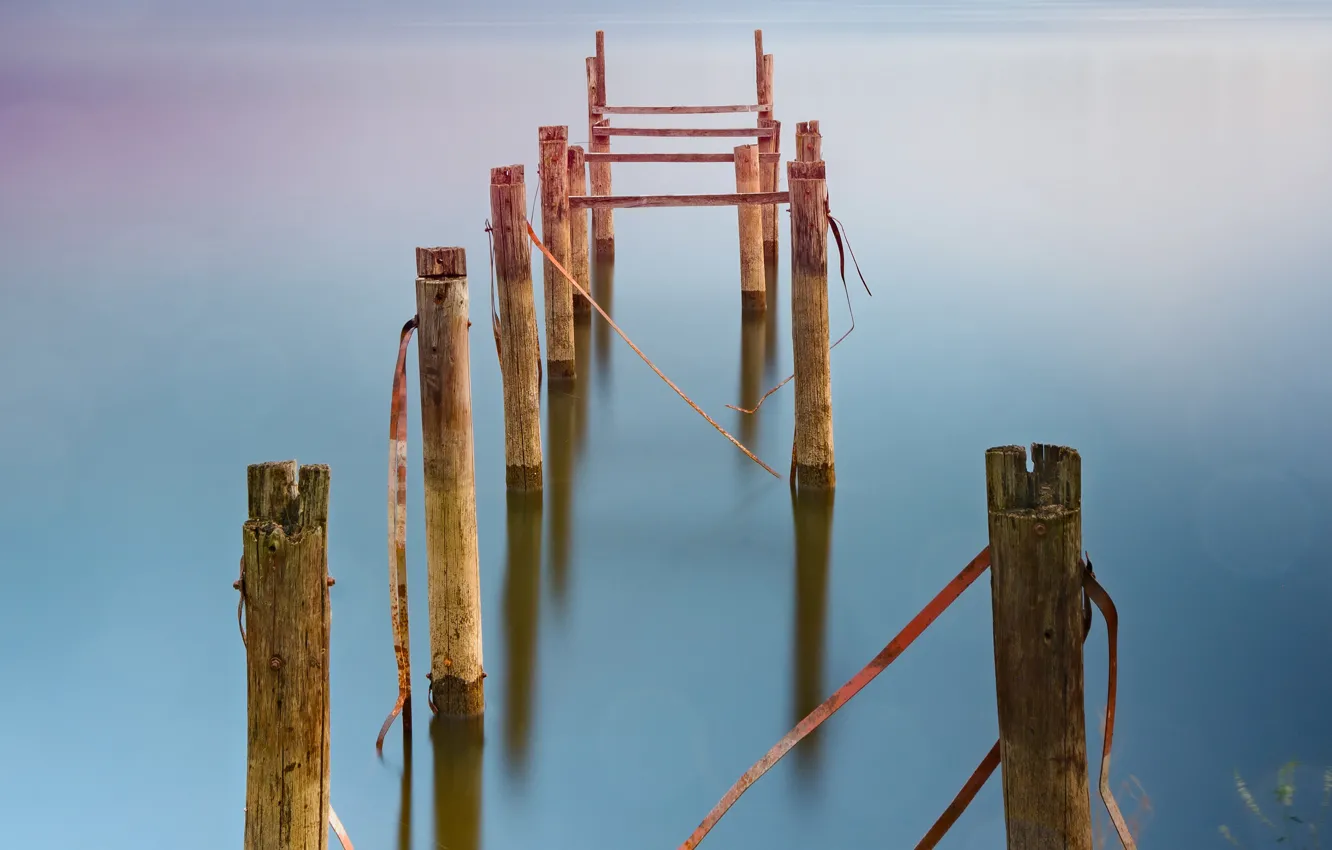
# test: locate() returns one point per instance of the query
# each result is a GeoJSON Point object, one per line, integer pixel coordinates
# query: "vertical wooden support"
{"type": "Point", "coordinates": [753, 296]}
{"type": "Point", "coordinates": [809, 142]}
{"type": "Point", "coordinates": [555, 233]}
{"type": "Point", "coordinates": [520, 350]}
{"type": "Point", "coordinates": [770, 173]}
{"type": "Point", "coordinates": [578, 254]}
{"type": "Point", "coordinates": [284, 588]}
{"type": "Point", "coordinates": [1035, 523]}
{"type": "Point", "coordinates": [809, 325]}
{"type": "Point", "coordinates": [452, 566]}
{"type": "Point", "coordinates": [603, 223]}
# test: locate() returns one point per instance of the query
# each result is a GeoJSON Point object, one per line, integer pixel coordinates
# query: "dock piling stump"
{"type": "Point", "coordinates": [453, 572]}
{"type": "Point", "coordinates": [520, 349]}
{"type": "Point", "coordinates": [554, 143]}
{"type": "Point", "coordinates": [603, 222]}
{"type": "Point", "coordinates": [753, 295]}
{"type": "Point", "coordinates": [580, 266]}
{"type": "Point", "coordinates": [809, 325]}
{"type": "Point", "coordinates": [284, 588]}
{"type": "Point", "coordinates": [1035, 524]}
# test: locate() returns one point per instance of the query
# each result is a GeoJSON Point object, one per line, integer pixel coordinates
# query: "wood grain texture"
{"type": "Point", "coordinates": [603, 220]}
{"type": "Point", "coordinates": [767, 158]}
{"type": "Point", "coordinates": [1035, 525]}
{"type": "Point", "coordinates": [284, 587]}
{"type": "Point", "coordinates": [554, 144]}
{"type": "Point", "coordinates": [728, 199]}
{"type": "Point", "coordinates": [809, 326]}
{"type": "Point", "coordinates": [809, 142]}
{"type": "Point", "coordinates": [753, 295]}
{"type": "Point", "coordinates": [579, 266]}
{"type": "Point", "coordinates": [680, 110]}
{"type": "Point", "coordinates": [452, 567]}
{"type": "Point", "coordinates": [682, 132]}
{"type": "Point", "coordinates": [520, 350]}
{"type": "Point", "coordinates": [769, 169]}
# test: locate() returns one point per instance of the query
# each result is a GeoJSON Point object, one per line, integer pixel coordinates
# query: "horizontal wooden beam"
{"type": "Point", "coordinates": [679, 110]}
{"type": "Point", "coordinates": [602, 202]}
{"type": "Point", "coordinates": [677, 132]}
{"type": "Point", "coordinates": [673, 157]}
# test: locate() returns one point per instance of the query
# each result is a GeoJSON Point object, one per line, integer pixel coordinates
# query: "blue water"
{"type": "Point", "coordinates": [1113, 240]}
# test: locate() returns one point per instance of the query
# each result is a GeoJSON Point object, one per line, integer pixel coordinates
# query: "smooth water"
{"type": "Point", "coordinates": [1109, 238]}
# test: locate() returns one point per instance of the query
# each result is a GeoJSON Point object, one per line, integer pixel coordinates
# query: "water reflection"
{"type": "Point", "coordinates": [770, 317]}
{"type": "Point", "coordinates": [522, 593]}
{"type": "Point", "coordinates": [563, 433]}
{"type": "Point", "coordinates": [813, 513]}
{"type": "Point", "coordinates": [603, 292]}
{"type": "Point", "coordinates": [458, 745]}
{"type": "Point", "coordinates": [753, 348]}
{"type": "Point", "coordinates": [405, 804]}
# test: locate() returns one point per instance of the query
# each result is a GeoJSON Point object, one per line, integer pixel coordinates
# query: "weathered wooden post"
{"type": "Point", "coordinates": [578, 253]}
{"type": "Point", "coordinates": [809, 325]}
{"type": "Point", "coordinates": [1035, 521]}
{"type": "Point", "coordinates": [603, 224]}
{"type": "Point", "coordinates": [752, 294]}
{"type": "Point", "coordinates": [453, 570]}
{"type": "Point", "coordinates": [520, 350]}
{"type": "Point", "coordinates": [555, 233]}
{"type": "Point", "coordinates": [284, 588]}
{"type": "Point", "coordinates": [770, 173]}
{"type": "Point", "coordinates": [809, 142]}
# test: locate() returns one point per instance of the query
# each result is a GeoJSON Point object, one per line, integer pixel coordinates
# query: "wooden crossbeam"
{"type": "Point", "coordinates": [677, 132]}
{"type": "Point", "coordinates": [673, 157]}
{"type": "Point", "coordinates": [724, 200]}
{"type": "Point", "coordinates": [679, 110]}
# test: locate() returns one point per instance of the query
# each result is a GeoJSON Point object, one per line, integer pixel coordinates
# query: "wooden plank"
{"type": "Point", "coordinates": [681, 110]}
{"type": "Point", "coordinates": [728, 199]}
{"type": "Point", "coordinates": [672, 157]}
{"type": "Point", "coordinates": [678, 132]}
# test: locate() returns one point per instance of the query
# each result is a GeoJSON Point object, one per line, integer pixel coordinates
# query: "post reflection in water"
{"type": "Point", "coordinates": [522, 595]}
{"type": "Point", "coordinates": [770, 317]}
{"type": "Point", "coordinates": [563, 432]}
{"type": "Point", "coordinates": [405, 803]}
{"type": "Point", "coordinates": [458, 745]}
{"type": "Point", "coordinates": [753, 347]}
{"type": "Point", "coordinates": [813, 512]}
{"type": "Point", "coordinates": [603, 292]}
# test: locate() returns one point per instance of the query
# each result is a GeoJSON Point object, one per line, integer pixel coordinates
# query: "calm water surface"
{"type": "Point", "coordinates": [1111, 240]}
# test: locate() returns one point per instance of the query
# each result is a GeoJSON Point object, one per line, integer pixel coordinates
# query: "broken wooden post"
{"type": "Point", "coordinates": [809, 142]}
{"type": "Point", "coordinates": [1035, 521]}
{"type": "Point", "coordinates": [520, 350]}
{"type": "Point", "coordinates": [555, 233]}
{"type": "Point", "coordinates": [603, 223]}
{"type": "Point", "coordinates": [578, 253]}
{"type": "Point", "coordinates": [453, 572]}
{"type": "Point", "coordinates": [284, 589]}
{"type": "Point", "coordinates": [809, 325]}
{"type": "Point", "coordinates": [752, 293]}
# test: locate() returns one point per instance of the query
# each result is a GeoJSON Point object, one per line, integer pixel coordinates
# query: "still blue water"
{"type": "Point", "coordinates": [1114, 240]}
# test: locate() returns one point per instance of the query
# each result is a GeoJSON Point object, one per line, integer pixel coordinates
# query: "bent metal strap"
{"type": "Point", "coordinates": [397, 537]}
{"type": "Point", "coordinates": [877, 665]}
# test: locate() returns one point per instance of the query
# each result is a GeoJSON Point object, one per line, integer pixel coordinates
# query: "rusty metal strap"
{"type": "Point", "coordinates": [828, 707]}
{"type": "Point", "coordinates": [1092, 592]}
{"type": "Point", "coordinates": [397, 537]}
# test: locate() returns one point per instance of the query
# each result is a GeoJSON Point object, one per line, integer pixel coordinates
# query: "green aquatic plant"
{"type": "Point", "coordinates": [1289, 828]}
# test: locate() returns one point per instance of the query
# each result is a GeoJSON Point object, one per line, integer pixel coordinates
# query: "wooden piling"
{"type": "Point", "coordinates": [520, 350]}
{"type": "Point", "coordinates": [809, 142]}
{"type": "Point", "coordinates": [554, 143]}
{"type": "Point", "coordinates": [752, 292]}
{"type": "Point", "coordinates": [770, 173]}
{"type": "Point", "coordinates": [453, 571]}
{"type": "Point", "coordinates": [284, 588]}
{"type": "Point", "coordinates": [603, 222]}
{"type": "Point", "coordinates": [578, 246]}
{"type": "Point", "coordinates": [1035, 521]}
{"type": "Point", "coordinates": [809, 325]}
